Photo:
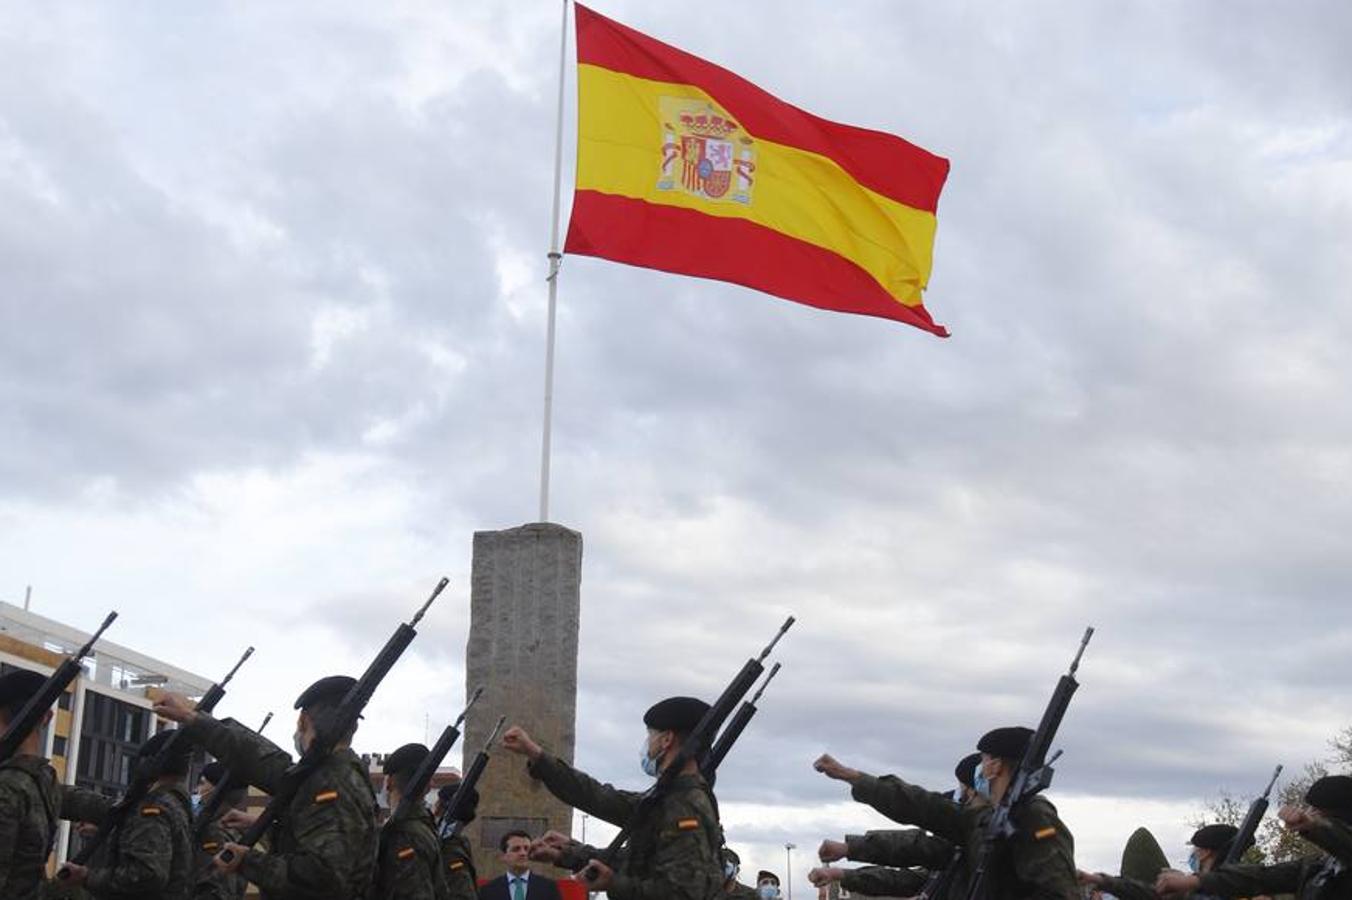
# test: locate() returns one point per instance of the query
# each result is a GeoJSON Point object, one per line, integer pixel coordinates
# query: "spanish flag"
{"type": "Point", "coordinates": [685, 167]}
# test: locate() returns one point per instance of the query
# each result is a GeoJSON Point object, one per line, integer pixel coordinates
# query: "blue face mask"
{"type": "Point", "coordinates": [768, 891]}
{"type": "Point", "coordinates": [196, 803]}
{"type": "Point", "coordinates": [1193, 864]}
{"type": "Point", "coordinates": [648, 764]}
{"type": "Point", "coordinates": [982, 784]}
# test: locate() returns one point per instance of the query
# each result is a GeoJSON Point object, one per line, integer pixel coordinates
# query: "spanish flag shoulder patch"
{"type": "Point", "coordinates": [1043, 833]}
{"type": "Point", "coordinates": [457, 865]}
{"type": "Point", "coordinates": [407, 853]}
{"type": "Point", "coordinates": [326, 796]}
{"type": "Point", "coordinates": [151, 811]}
{"type": "Point", "coordinates": [688, 824]}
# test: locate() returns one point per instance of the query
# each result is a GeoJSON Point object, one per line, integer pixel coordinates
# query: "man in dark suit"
{"type": "Point", "coordinates": [519, 883]}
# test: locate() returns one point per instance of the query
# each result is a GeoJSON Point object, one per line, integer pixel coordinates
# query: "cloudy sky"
{"type": "Point", "coordinates": [271, 334]}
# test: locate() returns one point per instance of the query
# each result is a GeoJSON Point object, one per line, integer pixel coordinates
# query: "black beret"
{"type": "Point", "coordinates": [404, 760]}
{"type": "Point", "coordinates": [763, 875]}
{"type": "Point", "coordinates": [447, 791]}
{"type": "Point", "coordinates": [1006, 743]}
{"type": "Point", "coordinates": [730, 856]}
{"type": "Point", "coordinates": [966, 769]}
{"type": "Point", "coordinates": [329, 689]}
{"type": "Point", "coordinates": [17, 688]}
{"type": "Point", "coordinates": [1214, 837]}
{"type": "Point", "coordinates": [471, 800]}
{"type": "Point", "coordinates": [1332, 794]}
{"type": "Point", "coordinates": [676, 714]}
{"type": "Point", "coordinates": [178, 763]}
{"type": "Point", "coordinates": [213, 772]}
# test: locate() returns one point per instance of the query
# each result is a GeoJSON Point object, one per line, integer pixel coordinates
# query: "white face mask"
{"type": "Point", "coordinates": [647, 763]}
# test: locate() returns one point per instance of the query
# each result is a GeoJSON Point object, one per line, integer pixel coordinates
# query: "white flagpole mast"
{"type": "Point", "coordinates": [555, 259]}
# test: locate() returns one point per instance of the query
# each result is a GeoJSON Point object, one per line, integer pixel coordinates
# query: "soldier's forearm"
{"type": "Point", "coordinates": [1126, 888]}
{"type": "Point", "coordinates": [581, 791]}
{"type": "Point", "coordinates": [248, 755]}
{"type": "Point", "coordinates": [1333, 837]}
{"type": "Point", "coordinates": [881, 881]}
{"type": "Point", "coordinates": [80, 805]}
{"type": "Point", "coordinates": [910, 805]}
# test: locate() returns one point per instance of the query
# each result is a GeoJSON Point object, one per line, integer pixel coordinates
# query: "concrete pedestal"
{"type": "Point", "coordinates": [524, 609]}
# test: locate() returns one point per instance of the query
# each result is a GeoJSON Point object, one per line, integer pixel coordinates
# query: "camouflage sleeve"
{"type": "Point", "coordinates": [246, 753]}
{"type": "Point", "coordinates": [1044, 853]}
{"type": "Point", "coordinates": [882, 881]}
{"type": "Point", "coordinates": [1251, 881]}
{"type": "Point", "coordinates": [327, 834]}
{"type": "Point", "coordinates": [459, 869]}
{"type": "Point", "coordinates": [145, 845]}
{"type": "Point", "coordinates": [576, 855]}
{"type": "Point", "coordinates": [1333, 837]}
{"type": "Point", "coordinates": [685, 865]}
{"type": "Point", "coordinates": [911, 805]}
{"type": "Point", "coordinates": [80, 805]}
{"type": "Point", "coordinates": [900, 848]}
{"type": "Point", "coordinates": [1126, 888]}
{"type": "Point", "coordinates": [12, 810]}
{"type": "Point", "coordinates": [580, 790]}
{"type": "Point", "coordinates": [405, 871]}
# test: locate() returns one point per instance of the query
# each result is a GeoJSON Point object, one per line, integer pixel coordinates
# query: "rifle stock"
{"type": "Point", "coordinates": [336, 726]}
{"type": "Point", "coordinates": [28, 718]}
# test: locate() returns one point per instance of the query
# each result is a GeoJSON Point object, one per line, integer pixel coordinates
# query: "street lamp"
{"type": "Point", "coordinates": [788, 869]}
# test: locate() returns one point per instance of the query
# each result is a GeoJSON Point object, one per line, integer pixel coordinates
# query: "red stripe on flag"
{"type": "Point", "coordinates": [883, 162]}
{"type": "Point", "coordinates": [673, 239]}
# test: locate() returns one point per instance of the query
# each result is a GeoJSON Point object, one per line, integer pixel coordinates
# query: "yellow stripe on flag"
{"type": "Point", "coordinates": [796, 192]}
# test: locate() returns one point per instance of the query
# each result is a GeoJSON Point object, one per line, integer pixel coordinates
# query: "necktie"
{"type": "Point", "coordinates": [518, 889]}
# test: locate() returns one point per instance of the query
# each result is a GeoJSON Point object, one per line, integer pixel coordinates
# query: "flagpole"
{"type": "Point", "coordinates": [555, 259]}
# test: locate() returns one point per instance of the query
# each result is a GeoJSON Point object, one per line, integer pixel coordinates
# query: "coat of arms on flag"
{"type": "Point", "coordinates": [705, 152]}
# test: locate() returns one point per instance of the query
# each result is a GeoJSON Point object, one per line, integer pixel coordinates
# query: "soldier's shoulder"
{"type": "Point", "coordinates": [688, 796]}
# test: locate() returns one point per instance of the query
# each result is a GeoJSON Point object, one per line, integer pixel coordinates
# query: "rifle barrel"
{"type": "Point", "coordinates": [436, 592]}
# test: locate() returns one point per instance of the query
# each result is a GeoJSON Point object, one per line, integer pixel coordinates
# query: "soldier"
{"type": "Point", "coordinates": [767, 885]}
{"type": "Point", "coordinates": [1325, 824]}
{"type": "Point", "coordinates": [732, 864]}
{"type": "Point", "coordinates": [409, 864]}
{"type": "Point", "coordinates": [1036, 862]}
{"type": "Point", "coordinates": [457, 859]}
{"type": "Point", "coordinates": [673, 853]}
{"type": "Point", "coordinates": [149, 855]}
{"type": "Point", "coordinates": [323, 846]}
{"type": "Point", "coordinates": [28, 796]}
{"type": "Point", "coordinates": [210, 884]}
{"type": "Point", "coordinates": [1210, 845]}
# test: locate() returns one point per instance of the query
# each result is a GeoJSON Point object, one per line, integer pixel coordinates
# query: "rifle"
{"type": "Point", "coordinates": [1033, 775]}
{"type": "Point", "coordinates": [939, 883]}
{"type": "Point", "coordinates": [422, 776]}
{"type": "Point", "coordinates": [146, 774]}
{"type": "Point", "coordinates": [694, 746]}
{"type": "Point", "coordinates": [733, 730]}
{"type": "Point", "coordinates": [334, 726]}
{"type": "Point", "coordinates": [31, 715]}
{"type": "Point", "coordinates": [1249, 827]}
{"type": "Point", "coordinates": [467, 783]}
{"type": "Point", "coordinates": [228, 784]}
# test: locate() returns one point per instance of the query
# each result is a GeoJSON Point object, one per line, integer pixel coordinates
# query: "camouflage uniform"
{"type": "Point", "coordinates": [210, 883]}
{"type": "Point", "coordinates": [462, 882]}
{"type": "Point", "coordinates": [1309, 878]}
{"type": "Point", "coordinates": [884, 881]}
{"type": "Point", "coordinates": [410, 865]}
{"type": "Point", "coordinates": [1037, 863]}
{"type": "Point", "coordinates": [740, 891]}
{"type": "Point", "coordinates": [324, 842]}
{"type": "Point", "coordinates": [674, 853]}
{"type": "Point", "coordinates": [901, 849]}
{"type": "Point", "coordinates": [149, 855]}
{"type": "Point", "coordinates": [28, 807]}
